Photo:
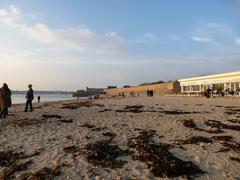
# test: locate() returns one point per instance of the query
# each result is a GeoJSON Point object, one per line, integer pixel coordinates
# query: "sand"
{"type": "Point", "coordinates": [123, 138]}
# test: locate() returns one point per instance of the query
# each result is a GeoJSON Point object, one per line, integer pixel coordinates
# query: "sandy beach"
{"type": "Point", "coordinates": [123, 138]}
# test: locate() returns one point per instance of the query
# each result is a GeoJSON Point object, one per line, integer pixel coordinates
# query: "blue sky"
{"type": "Point", "coordinates": [71, 44]}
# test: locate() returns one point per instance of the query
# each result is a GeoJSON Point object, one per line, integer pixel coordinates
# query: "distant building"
{"type": "Point", "coordinates": [226, 81]}
{"type": "Point", "coordinates": [111, 87]}
{"type": "Point", "coordinates": [88, 92]}
{"type": "Point", "coordinates": [145, 90]}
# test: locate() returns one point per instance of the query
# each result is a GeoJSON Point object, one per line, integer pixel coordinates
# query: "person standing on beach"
{"type": "Point", "coordinates": [8, 98]}
{"type": "Point", "coordinates": [39, 99]}
{"type": "Point", "coordinates": [29, 97]}
{"type": "Point", "coordinates": [5, 100]}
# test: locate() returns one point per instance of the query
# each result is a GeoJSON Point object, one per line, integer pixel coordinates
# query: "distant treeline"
{"type": "Point", "coordinates": [157, 82]}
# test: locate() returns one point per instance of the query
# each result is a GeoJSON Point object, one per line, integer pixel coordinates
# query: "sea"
{"type": "Point", "coordinates": [20, 98]}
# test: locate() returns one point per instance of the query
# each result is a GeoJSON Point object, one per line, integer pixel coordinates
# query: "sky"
{"type": "Point", "coordinates": [72, 44]}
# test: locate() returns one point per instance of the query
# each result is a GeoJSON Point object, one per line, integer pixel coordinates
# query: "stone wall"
{"type": "Point", "coordinates": [157, 89]}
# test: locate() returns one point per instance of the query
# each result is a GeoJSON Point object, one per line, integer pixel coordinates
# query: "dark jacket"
{"type": "Point", "coordinates": [29, 95]}
{"type": "Point", "coordinates": [5, 96]}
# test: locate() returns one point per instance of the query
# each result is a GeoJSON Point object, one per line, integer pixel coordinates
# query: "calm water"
{"type": "Point", "coordinates": [20, 98]}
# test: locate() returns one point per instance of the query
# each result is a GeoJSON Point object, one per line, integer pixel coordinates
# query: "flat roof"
{"type": "Point", "coordinates": [211, 76]}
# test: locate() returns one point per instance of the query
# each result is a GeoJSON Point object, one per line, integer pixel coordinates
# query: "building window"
{"type": "Point", "coordinates": [195, 88]}
{"type": "Point", "coordinates": [186, 88]}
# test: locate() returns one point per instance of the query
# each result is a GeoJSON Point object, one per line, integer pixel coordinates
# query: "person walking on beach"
{"type": "Point", "coordinates": [8, 98]}
{"type": "Point", "coordinates": [29, 97]}
{"type": "Point", "coordinates": [39, 99]}
{"type": "Point", "coordinates": [5, 100]}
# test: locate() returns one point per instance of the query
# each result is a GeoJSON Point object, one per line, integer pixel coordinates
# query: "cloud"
{"type": "Point", "coordinates": [237, 41]}
{"type": "Point", "coordinates": [79, 38]}
{"type": "Point", "coordinates": [3, 13]}
{"type": "Point", "coordinates": [9, 15]}
{"type": "Point", "coordinates": [14, 11]}
{"type": "Point", "coordinates": [202, 39]}
{"type": "Point", "coordinates": [146, 37]}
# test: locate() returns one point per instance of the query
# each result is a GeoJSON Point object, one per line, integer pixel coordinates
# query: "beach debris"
{"type": "Point", "coordinates": [232, 111]}
{"type": "Point", "coordinates": [105, 110]}
{"type": "Point", "coordinates": [109, 134]}
{"type": "Point", "coordinates": [45, 173]}
{"type": "Point", "coordinates": [178, 112]}
{"type": "Point", "coordinates": [28, 122]}
{"type": "Point", "coordinates": [234, 121]}
{"type": "Point", "coordinates": [160, 161]}
{"type": "Point", "coordinates": [222, 138]}
{"type": "Point", "coordinates": [66, 120]}
{"type": "Point", "coordinates": [9, 157]}
{"type": "Point", "coordinates": [199, 105]}
{"type": "Point", "coordinates": [235, 159]}
{"type": "Point", "coordinates": [49, 116]}
{"type": "Point", "coordinates": [77, 105]}
{"type": "Point", "coordinates": [92, 127]}
{"type": "Point", "coordinates": [13, 162]}
{"type": "Point", "coordinates": [71, 149]}
{"type": "Point", "coordinates": [103, 153]}
{"type": "Point", "coordinates": [133, 109]}
{"type": "Point", "coordinates": [227, 106]}
{"type": "Point", "coordinates": [8, 173]}
{"type": "Point", "coordinates": [219, 125]}
{"type": "Point", "coordinates": [87, 125]}
{"type": "Point", "coordinates": [195, 140]}
{"type": "Point", "coordinates": [190, 124]}
{"type": "Point", "coordinates": [69, 137]}
{"type": "Point", "coordinates": [234, 146]}
{"type": "Point", "coordinates": [201, 139]}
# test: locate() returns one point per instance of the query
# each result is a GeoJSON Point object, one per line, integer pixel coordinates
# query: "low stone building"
{"type": "Point", "coordinates": [159, 89]}
{"type": "Point", "coordinates": [88, 92]}
{"type": "Point", "coordinates": [198, 85]}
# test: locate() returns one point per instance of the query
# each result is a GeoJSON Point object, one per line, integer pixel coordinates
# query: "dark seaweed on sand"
{"type": "Point", "coordinates": [49, 116]}
{"type": "Point", "coordinates": [178, 112]}
{"type": "Point", "coordinates": [219, 125]}
{"type": "Point", "coordinates": [234, 146]}
{"type": "Point", "coordinates": [77, 105]}
{"type": "Point", "coordinates": [159, 160]}
{"type": "Point", "coordinates": [103, 153]}
{"type": "Point", "coordinates": [195, 140]}
{"type": "Point", "coordinates": [132, 109]}
{"type": "Point", "coordinates": [14, 162]}
{"type": "Point", "coordinates": [190, 124]}
{"type": "Point", "coordinates": [109, 134]}
{"type": "Point", "coordinates": [46, 173]}
{"type": "Point", "coordinates": [92, 127]}
{"type": "Point", "coordinates": [234, 121]}
{"type": "Point", "coordinates": [201, 139]}
{"type": "Point", "coordinates": [235, 159]}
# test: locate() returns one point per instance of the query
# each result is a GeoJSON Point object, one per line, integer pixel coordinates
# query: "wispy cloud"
{"type": "Point", "coordinates": [202, 39]}
{"type": "Point", "coordinates": [146, 37]}
{"type": "Point", "coordinates": [80, 38]}
{"type": "Point", "coordinates": [3, 13]}
{"type": "Point", "coordinates": [9, 15]}
{"type": "Point", "coordinates": [237, 41]}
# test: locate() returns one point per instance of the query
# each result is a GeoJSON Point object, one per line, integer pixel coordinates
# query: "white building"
{"type": "Point", "coordinates": [230, 81]}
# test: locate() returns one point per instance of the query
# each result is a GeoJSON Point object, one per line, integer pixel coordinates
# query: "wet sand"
{"type": "Point", "coordinates": [123, 138]}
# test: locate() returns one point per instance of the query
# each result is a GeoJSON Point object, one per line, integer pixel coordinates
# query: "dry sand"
{"type": "Point", "coordinates": [123, 138]}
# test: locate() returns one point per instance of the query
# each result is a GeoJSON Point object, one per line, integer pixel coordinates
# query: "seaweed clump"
{"type": "Point", "coordinates": [103, 153]}
{"type": "Point", "coordinates": [159, 160]}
